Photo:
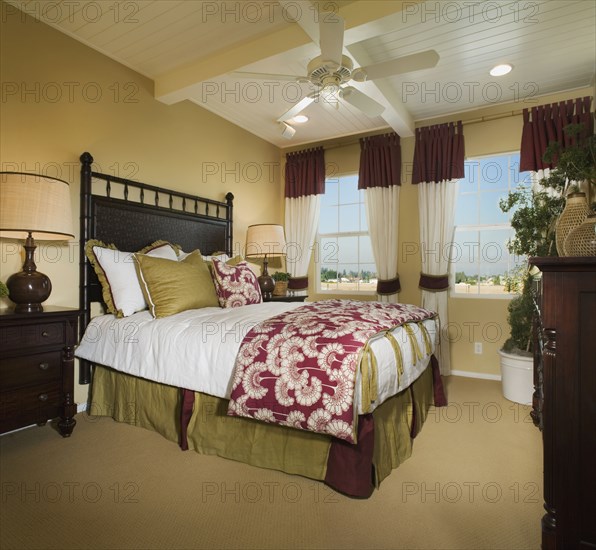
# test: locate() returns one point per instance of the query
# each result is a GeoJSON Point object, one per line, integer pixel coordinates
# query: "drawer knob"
{"type": "Point", "coordinates": [42, 397]}
{"type": "Point", "coordinates": [45, 334]}
{"type": "Point", "coordinates": [44, 366]}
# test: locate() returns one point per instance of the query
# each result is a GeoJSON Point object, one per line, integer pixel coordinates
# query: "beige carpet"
{"type": "Point", "coordinates": [473, 481]}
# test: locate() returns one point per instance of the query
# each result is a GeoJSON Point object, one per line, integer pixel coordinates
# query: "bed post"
{"type": "Point", "coordinates": [85, 217]}
{"type": "Point", "coordinates": [229, 229]}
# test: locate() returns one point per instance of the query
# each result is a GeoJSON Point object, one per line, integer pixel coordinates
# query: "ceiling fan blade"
{"type": "Point", "coordinates": [299, 107]}
{"type": "Point", "coordinates": [405, 64]}
{"type": "Point", "coordinates": [265, 76]}
{"type": "Point", "coordinates": [331, 28]}
{"type": "Point", "coordinates": [361, 101]}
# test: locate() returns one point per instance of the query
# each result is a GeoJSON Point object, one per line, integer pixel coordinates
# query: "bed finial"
{"type": "Point", "coordinates": [229, 198]}
{"type": "Point", "coordinates": [86, 158]}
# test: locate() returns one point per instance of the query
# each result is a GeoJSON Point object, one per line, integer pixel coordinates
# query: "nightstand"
{"type": "Point", "coordinates": [289, 298]}
{"type": "Point", "coordinates": [37, 368]}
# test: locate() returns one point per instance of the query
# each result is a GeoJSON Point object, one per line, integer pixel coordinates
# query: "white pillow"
{"type": "Point", "coordinates": [121, 275]}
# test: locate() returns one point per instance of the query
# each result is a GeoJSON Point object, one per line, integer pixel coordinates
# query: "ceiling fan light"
{"type": "Point", "coordinates": [501, 70]}
{"type": "Point", "coordinates": [330, 91]}
{"type": "Point", "coordinates": [300, 119]}
{"type": "Point", "coordinates": [287, 131]}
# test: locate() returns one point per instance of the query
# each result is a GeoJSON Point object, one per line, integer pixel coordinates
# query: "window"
{"type": "Point", "coordinates": [480, 261]}
{"type": "Point", "coordinates": [345, 261]}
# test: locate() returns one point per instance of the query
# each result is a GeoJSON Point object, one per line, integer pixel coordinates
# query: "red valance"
{"type": "Point", "coordinates": [305, 173]}
{"type": "Point", "coordinates": [439, 153]}
{"type": "Point", "coordinates": [380, 161]}
{"type": "Point", "coordinates": [544, 125]}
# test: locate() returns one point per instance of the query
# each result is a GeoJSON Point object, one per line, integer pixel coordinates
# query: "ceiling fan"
{"type": "Point", "coordinates": [331, 72]}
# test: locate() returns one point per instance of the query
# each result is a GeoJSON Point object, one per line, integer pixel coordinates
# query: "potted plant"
{"type": "Point", "coordinates": [536, 212]}
{"type": "Point", "coordinates": [281, 283]}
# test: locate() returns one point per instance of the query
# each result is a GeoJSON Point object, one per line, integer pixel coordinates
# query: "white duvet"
{"type": "Point", "coordinates": [196, 349]}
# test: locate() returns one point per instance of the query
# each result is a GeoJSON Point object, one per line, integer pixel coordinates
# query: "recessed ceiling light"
{"type": "Point", "coordinates": [500, 70]}
{"type": "Point", "coordinates": [300, 119]}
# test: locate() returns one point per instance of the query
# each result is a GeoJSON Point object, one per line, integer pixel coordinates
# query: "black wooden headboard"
{"type": "Point", "coordinates": [132, 215]}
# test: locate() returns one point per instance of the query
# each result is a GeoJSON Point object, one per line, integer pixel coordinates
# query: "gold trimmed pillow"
{"type": "Point", "coordinates": [116, 272]}
{"type": "Point", "coordinates": [170, 287]}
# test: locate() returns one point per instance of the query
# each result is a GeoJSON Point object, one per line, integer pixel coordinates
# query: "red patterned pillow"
{"type": "Point", "coordinates": [236, 285]}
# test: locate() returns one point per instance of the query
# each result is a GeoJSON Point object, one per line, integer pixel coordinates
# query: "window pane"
{"type": "Point", "coordinates": [363, 221]}
{"type": "Point", "coordinates": [348, 190]}
{"type": "Point", "coordinates": [331, 195]}
{"type": "Point", "coordinates": [464, 257]}
{"type": "Point", "coordinates": [328, 277]}
{"type": "Point", "coordinates": [366, 253]}
{"type": "Point", "coordinates": [494, 173]}
{"type": "Point", "coordinates": [496, 262]}
{"type": "Point", "coordinates": [466, 211]}
{"type": "Point", "coordinates": [329, 250]}
{"type": "Point", "coordinates": [347, 250]}
{"type": "Point", "coordinates": [329, 222]}
{"type": "Point", "coordinates": [469, 183]}
{"type": "Point", "coordinates": [349, 218]}
{"type": "Point", "coordinates": [490, 213]}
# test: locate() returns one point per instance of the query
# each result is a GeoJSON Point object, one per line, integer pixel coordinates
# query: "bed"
{"type": "Point", "coordinates": [205, 410]}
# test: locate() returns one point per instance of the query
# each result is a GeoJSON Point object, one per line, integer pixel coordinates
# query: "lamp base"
{"type": "Point", "coordinates": [267, 285]}
{"type": "Point", "coordinates": [28, 289]}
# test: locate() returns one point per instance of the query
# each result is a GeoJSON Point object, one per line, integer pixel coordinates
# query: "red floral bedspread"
{"type": "Point", "coordinates": [299, 368]}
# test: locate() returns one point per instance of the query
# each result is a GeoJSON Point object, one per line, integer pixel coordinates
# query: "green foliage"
{"type": "Point", "coordinates": [520, 313]}
{"type": "Point", "coordinates": [534, 216]}
{"type": "Point", "coordinates": [3, 290]}
{"type": "Point", "coordinates": [534, 219]}
{"type": "Point", "coordinates": [280, 276]}
{"type": "Point", "coordinates": [575, 163]}
{"type": "Point", "coordinates": [460, 277]}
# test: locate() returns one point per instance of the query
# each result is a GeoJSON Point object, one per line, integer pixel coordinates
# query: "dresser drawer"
{"type": "Point", "coordinates": [26, 337]}
{"type": "Point", "coordinates": [28, 370]}
{"type": "Point", "coordinates": [29, 405]}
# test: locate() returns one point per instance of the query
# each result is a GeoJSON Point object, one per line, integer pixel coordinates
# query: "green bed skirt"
{"type": "Point", "coordinates": [157, 407]}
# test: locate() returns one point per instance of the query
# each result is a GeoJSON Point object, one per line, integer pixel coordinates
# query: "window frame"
{"type": "Point", "coordinates": [512, 186]}
{"type": "Point", "coordinates": [320, 252]}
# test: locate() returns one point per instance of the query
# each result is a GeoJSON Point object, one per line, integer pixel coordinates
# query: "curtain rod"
{"type": "Point", "coordinates": [486, 118]}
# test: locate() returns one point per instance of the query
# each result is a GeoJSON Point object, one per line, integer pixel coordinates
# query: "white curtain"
{"type": "Point", "coordinates": [382, 211]}
{"type": "Point", "coordinates": [436, 203]}
{"type": "Point", "coordinates": [301, 223]}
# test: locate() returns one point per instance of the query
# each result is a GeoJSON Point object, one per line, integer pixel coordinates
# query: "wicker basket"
{"type": "Point", "coordinates": [574, 213]}
{"type": "Point", "coordinates": [281, 288]}
{"type": "Point", "coordinates": [582, 240]}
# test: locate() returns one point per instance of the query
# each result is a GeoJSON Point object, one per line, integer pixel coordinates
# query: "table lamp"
{"type": "Point", "coordinates": [33, 204]}
{"type": "Point", "coordinates": [265, 241]}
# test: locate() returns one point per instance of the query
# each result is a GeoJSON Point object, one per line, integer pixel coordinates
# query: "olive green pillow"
{"type": "Point", "coordinates": [172, 287]}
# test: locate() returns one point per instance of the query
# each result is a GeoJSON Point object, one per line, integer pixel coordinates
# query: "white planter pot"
{"type": "Point", "coordinates": [517, 377]}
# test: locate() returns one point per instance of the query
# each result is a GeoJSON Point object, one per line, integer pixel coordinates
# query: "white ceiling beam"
{"type": "Point", "coordinates": [189, 81]}
{"type": "Point", "coordinates": [396, 114]}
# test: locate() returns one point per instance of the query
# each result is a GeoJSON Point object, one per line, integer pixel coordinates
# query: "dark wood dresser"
{"type": "Point", "coordinates": [37, 368]}
{"type": "Point", "coordinates": [565, 399]}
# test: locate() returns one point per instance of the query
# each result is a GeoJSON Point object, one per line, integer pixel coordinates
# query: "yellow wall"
{"type": "Point", "coordinates": [51, 113]}
{"type": "Point", "coordinates": [488, 131]}
{"type": "Point", "coordinates": [44, 129]}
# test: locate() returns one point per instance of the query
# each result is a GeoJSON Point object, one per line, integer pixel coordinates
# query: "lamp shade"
{"type": "Point", "coordinates": [31, 203]}
{"type": "Point", "coordinates": [265, 240]}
